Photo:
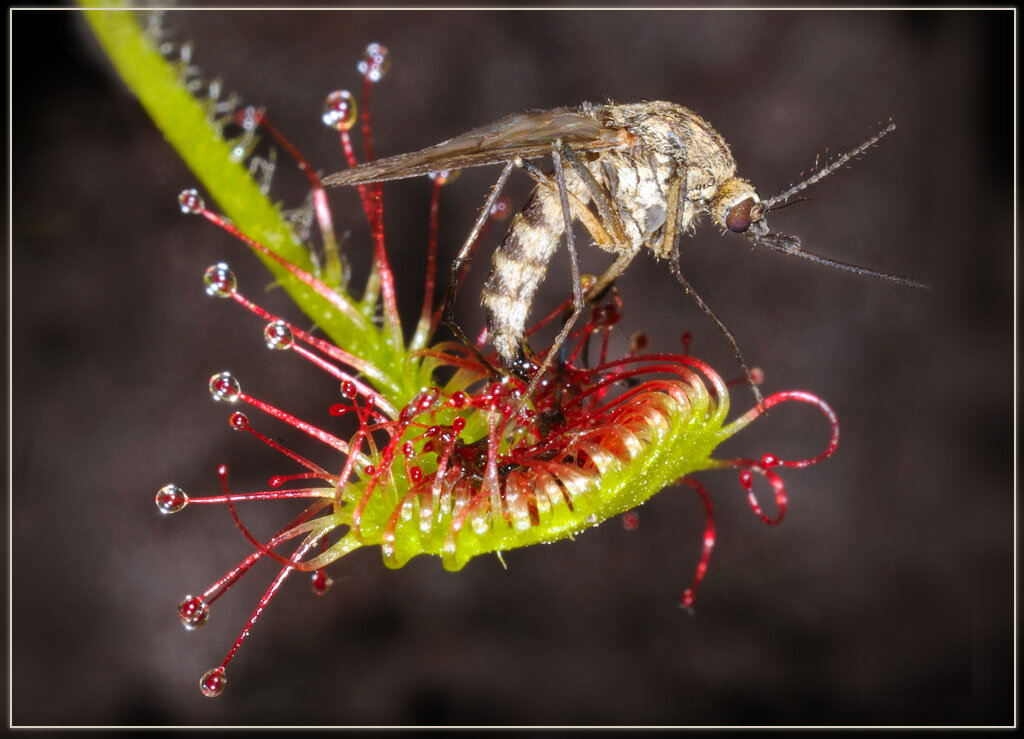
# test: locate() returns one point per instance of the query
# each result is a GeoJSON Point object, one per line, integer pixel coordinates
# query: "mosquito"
{"type": "Point", "coordinates": [635, 175]}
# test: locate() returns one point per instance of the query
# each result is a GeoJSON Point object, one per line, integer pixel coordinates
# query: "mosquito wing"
{"type": "Point", "coordinates": [526, 135]}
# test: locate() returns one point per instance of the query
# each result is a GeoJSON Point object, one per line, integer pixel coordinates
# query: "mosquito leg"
{"type": "Point", "coordinates": [602, 199]}
{"type": "Point", "coordinates": [607, 277]}
{"type": "Point", "coordinates": [574, 264]}
{"type": "Point", "coordinates": [610, 215]}
{"type": "Point", "coordinates": [672, 205]}
{"type": "Point", "coordinates": [465, 253]}
{"type": "Point", "coordinates": [721, 326]}
{"type": "Point", "coordinates": [597, 231]}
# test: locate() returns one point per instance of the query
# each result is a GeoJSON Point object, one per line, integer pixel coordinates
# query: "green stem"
{"type": "Point", "coordinates": [186, 123]}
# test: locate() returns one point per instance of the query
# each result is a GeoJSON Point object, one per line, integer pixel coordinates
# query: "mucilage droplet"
{"type": "Point", "coordinates": [224, 387]}
{"type": "Point", "coordinates": [220, 281]}
{"type": "Point", "coordinates": [340, 111]}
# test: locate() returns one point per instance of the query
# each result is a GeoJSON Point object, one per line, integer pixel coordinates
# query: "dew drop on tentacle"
{"type": "Point", "coordinates": [427, 399]}
{"type": "Point", "coordinates": [320, 582]}
{"type": "Point", "coordinates": [278, 336]}
{"type": "Point", "coordinates": [769, 460]}
{"type": "Point", "coordinates": [249, 118]}
{"type": "Point", "coordinates": [190, 201]}
{"type": "Point", "coordinates": [638, 342]}
{"type": "Point", "coordinates": [171, 499]}
{"type": "Point", "coordinates": [445, 176]}
{"type": "Point", "coordinates": [375, 63]}
{"type": "Point", "coordinates": [340, 110]}
{"type": "Point", "coordinates": [238, 421]}
{"type": "Point", "coordinates": [193, 612]}
{"type": "Point", "coordinates": [212, 682]}
{"type": "Point", "coordinates": [605, 316]}
{"type": "Point", "coordinates": [220, 281]}
{"type": "Point", "coordinates": [224, 387]}
{"type": "Point", "coordinates": [501, 209]}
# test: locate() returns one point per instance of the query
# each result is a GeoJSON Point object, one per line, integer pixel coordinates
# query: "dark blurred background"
{"type": "Point", "coordinates": [886, 595]}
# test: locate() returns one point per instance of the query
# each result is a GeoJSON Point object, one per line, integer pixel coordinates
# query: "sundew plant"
{"type": "Point", "coordinates": [434, 452]}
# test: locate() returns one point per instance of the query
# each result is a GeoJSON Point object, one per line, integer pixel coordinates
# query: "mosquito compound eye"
{"type": "Point", "coordinates": [740, 216]}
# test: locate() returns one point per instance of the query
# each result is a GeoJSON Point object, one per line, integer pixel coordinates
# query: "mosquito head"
{"type": "Point", "coordinates": [738, 208]}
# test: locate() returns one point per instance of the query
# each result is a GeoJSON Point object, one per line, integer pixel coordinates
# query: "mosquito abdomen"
{"type": "Point", "coordinates": [517, 268]}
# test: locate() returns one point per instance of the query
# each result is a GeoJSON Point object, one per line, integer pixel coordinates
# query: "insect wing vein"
{"type": "Point", "coordinates": [524, 135]}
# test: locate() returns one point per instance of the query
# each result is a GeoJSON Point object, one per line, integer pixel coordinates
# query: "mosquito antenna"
{"type": "Point", "coordinates": [828, 168]}
{"type": "Point", "coordinates": [791, 245]}
{"type": "Point", "coordinates": [786, 205]}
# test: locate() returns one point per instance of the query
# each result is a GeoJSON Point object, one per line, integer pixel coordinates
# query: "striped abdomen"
{"type": "Point", "coordinates": [517, 268]}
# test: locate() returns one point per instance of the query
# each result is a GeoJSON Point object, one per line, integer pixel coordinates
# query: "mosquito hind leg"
{"type": "Point", "coordinates": [464, 255]}
{"type": "Point", "coordinates": [578, 302]}
{"type": "Point", "coordinates": [603, 200]}
{"type": "Point", "coordinates": [615, 232]}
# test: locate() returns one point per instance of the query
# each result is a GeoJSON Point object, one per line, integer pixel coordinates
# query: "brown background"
{"type": "Point", "coordinates": [885, 597]}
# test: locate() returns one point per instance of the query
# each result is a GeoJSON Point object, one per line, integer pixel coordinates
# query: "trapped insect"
{"type": "Point", "coordinates": [638, 176]}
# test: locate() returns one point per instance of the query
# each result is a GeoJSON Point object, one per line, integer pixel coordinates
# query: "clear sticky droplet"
{"type": "Point", "coordinates": [638, 342]}
{"type": "Point", "coordinates": [250, 118]}
{"type": "Point", "coordinates": [224, 387]}
{"type": "Point", "coordinates": [212, 682]}
{"type": "Point", "coordinates": [220, 281]}
{"type": "Point", "coordinates": [426, 399]}
{"type": "Point", "coordinates": [321, 582]}
{"type": "Point", "coordinates": [445, 176]}
{"type": "Point", "coordinates": [193, 612]}
{"type": "Point", "coordinates": [501, 209]}
{"type": "Point", "coordinates": [190, 201]}
{"type": "Point", "coordinates": [278, 336]}
{"type": "Point", "coordinates": [171, 499]}
{"type": "Point", "coordinates": [340, 111]}
{"type": "Point", "coordinates": [375, 63]}
{"type": "Point", "coordinates": [238, 421]}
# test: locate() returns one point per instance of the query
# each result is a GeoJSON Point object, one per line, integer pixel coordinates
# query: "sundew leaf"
{"type": "Point", "coordinates": [455, 471]}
